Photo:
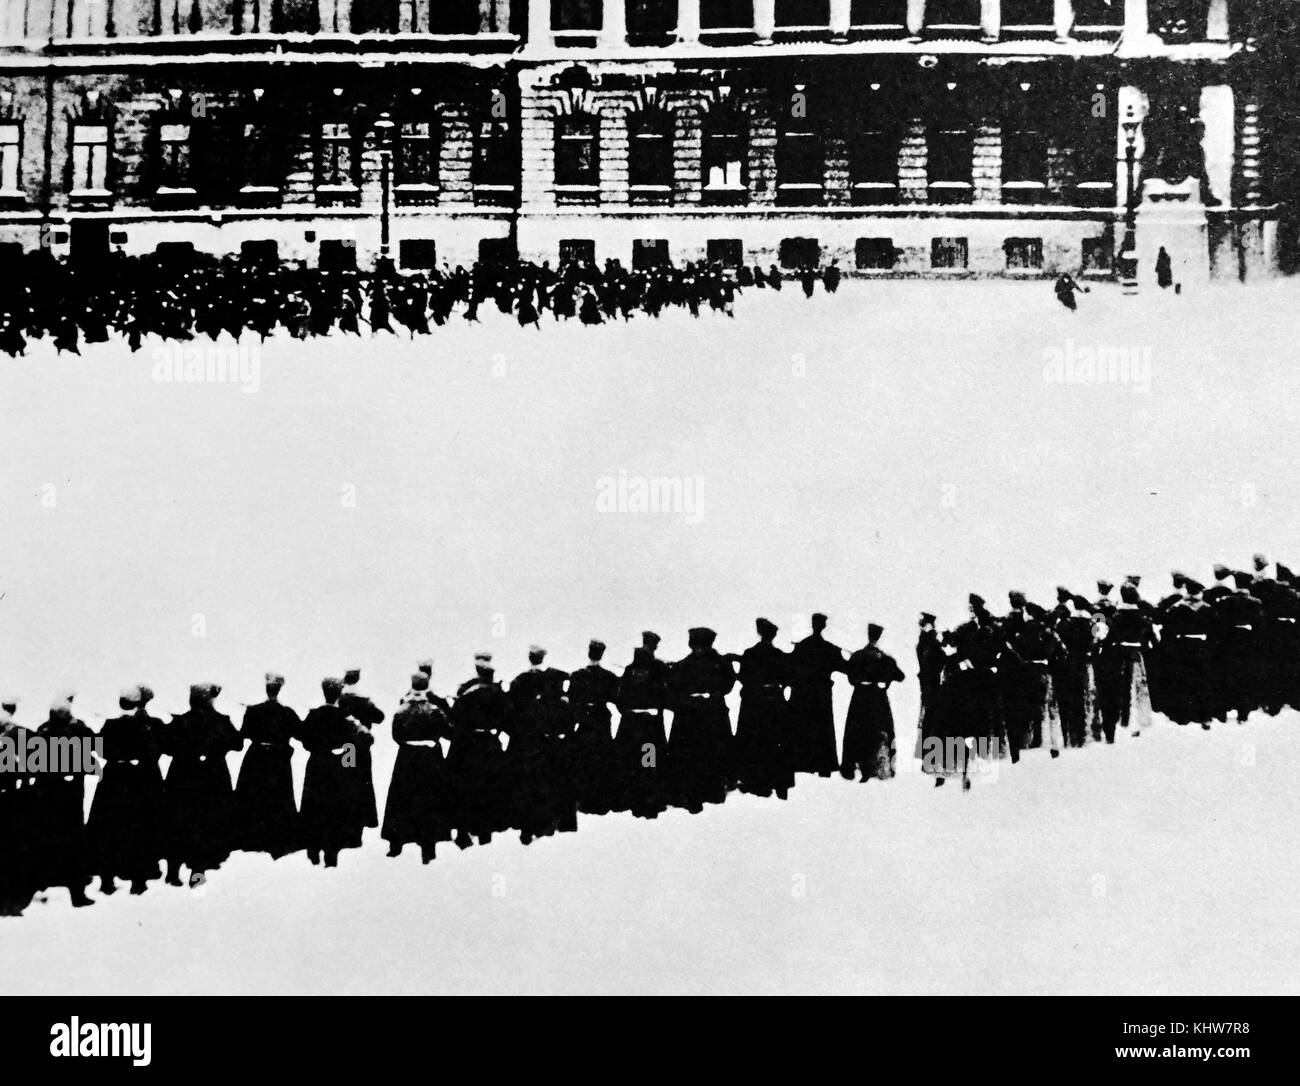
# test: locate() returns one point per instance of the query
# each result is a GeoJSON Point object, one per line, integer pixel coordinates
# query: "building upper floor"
{"type": "Point", "coordinates": [115, 29]}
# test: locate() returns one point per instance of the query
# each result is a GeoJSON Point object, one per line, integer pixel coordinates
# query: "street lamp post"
{"type": "Point", "coordinates": [384, 126]}
{"type": "Point", "coordinates": [1128, 260]}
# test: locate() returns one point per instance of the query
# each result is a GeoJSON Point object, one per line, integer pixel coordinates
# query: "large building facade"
{"type": "Point", "coordinates": [899, 137]}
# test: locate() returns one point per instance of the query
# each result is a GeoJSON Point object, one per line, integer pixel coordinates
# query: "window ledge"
{"type": "Point", "coordinates": [339, 190]}
{"type": "Point", "coordinates": [90, 194]}
{"type": "Point", "coordinates": [176, 190]}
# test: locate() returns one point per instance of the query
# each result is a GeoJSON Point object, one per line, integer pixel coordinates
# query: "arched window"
{"type": "Point", "coordinates": [417, 152]}
{"type": "Point", "coordinates": [724, 149]}
{"type": "Point", "coordinates": [577, 151]}
{"type": "Point", "coordinates": [800, 152]}
{"type": "Point", "coordinates": [650, 153]}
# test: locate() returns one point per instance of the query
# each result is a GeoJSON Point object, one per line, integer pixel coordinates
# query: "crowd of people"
{"type": "Point", "coordinates": [533, 755]}
{"type": "Point", "coordinates": [180, 298]}
{"type": "Point", "coordinates": [1075, 673]}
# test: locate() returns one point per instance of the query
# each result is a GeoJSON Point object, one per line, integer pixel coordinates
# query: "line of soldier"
{"type": "Point", "coordinates": [491, 759]}
{"type": "Point", "coordinates": [178, 299]}
{"type": "Point", "coordinates": [1073, 674]}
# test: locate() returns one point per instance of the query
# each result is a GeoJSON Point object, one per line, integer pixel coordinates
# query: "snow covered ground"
{"type": "Point", "coordinates": [872, 454]}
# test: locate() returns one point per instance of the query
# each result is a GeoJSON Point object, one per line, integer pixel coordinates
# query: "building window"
{"type": "Point", "coordinates": [1036, 13]}
{"type": "Point", "coordinates": [574, 14]}
{"type": "Point", "coordinates": [577, 151]}
{"type": "Point", "coordinates": [1094, 153]}
{"type": "Point", "coordinates": [949, 253]}
{"type": "Point", "coordinates": [374, 16]}
{"type": "Point", "coordinates": [338, 255]}
{"type": "Point", "coordinates": [494, 159]}
{"type": "Point", "coordinates": [173, 156]}
{"type": "Point", "coordinates": [495, 251]}
{"type": "Point", "coordinates": [261, 160]}
{"type": "Point", "coordinates": [89, 158]}
{"type": "Point", "coordinates": [1024, 159]}
{"type": "Point", "coordinates": [726, 15]}
{"type": "Point", "coordinates": [336, 162]}
{"type": "Point", "coordinates": [950, 154]}
{"type": "Point", "coordinates": [729, 252]}
{"type": "Point", "coordinates": [1179, 20]}
{"type": "Point", "coordinates": [261, 251]}
{"type": "Point", "coordinates": [1097, 253]}
{"type": "Point", "coordinates": [875, 254]}
{"type": "Point", "coordinates": [451, 17]}
{"type": "Point", "coordinates": [799, 252]}
{"type": "Point", "coordinates": [1023, 254]}
{"type": "Point", "coordinates": [649, 253]}
{"type": "Point", "coordinates": [891, 13]}
{"type": "Point", "coordinates": [800, 162]}
{"type": "Point", "coordinates": [803, 13]}
{"type": "Point", "coordinates": [419, 254]}
{"type": "Point", "coordinates": [650, 150]}
{"type": "Point", "coordinates": [10, 157]}
{"type": "Point", "coordinates": [873, 166]}
{"type": "Point", "coordinates": [417, 153]}
{"type": "Point", "coordinates": [723, 158]}
{"type": "Point", "coordinates": [577, 251]}
{"type": "Point", "coordinates": [1098, 12]}
{"type": "Point", "coordinates": [952, 14]}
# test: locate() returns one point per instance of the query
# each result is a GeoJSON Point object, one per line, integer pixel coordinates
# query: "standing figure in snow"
{"type": "Point", "coordinates": [58, 825]}
{"type": "Point", "coordinates": [475, 762]}
{"type": "Point", "coordinates": [267, 818]}
{"type": "Point", "coordinates": [1066, 288]}
{"type": "Point", "coordinates": [869, 747]}
{"type": "Point", "coordinates": [417, 810]}
{"type": "Point", "coordinates": [761, 759]}
{"type": "Point", "coordinates": [364, 712]}
{"type": "Point", "coordinates": [813, 664]}
{"type": "Point", "coordinates": [699, 750]}
{"type": "Point", "coordinates": [198, 799]}
{"type": "Point", "coordinates": [640, 747]}
{"type": "Point", "coordinates": [334, 815]}
{"type": "Point", "coordinates": [126, 816]}
{"type": "Point", "coordinates": [592, 690]}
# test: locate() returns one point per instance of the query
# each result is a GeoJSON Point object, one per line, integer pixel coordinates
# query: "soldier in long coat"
{"type": "Point", "coordinates": [475, 761]}
{"type": "Point", "coordinates": [931, 748]}
{"type": "Point", "coordinates": [699, 748]}
{"type": "Point", "coordinates": [1122, 682]}
{"type": "Point", "coordinates": [125, 829]}
{"type": "Point", "coordinates": [1185, 648]}
{"type": "Point", "coordinates": [592, 690]}
{"type": "Point", "coordinates": [17, 875]}
{"type": "Point", "coordinates": [197, 794]}
{"type": "Point", "coordinates": [641, 745]}
{"type": "Point", "coordinates": [762, 762]}
{"type": "Point", "coordinates": [364, 712]}
{"type": "Point", "coordinates": [813, 664]}
{"type": "Point", "coordinates": [266, 815]}
{"type": "Point", "coordinates": [869, 742]}
{"type": "Point", "coordinates": [1072, 673]}
{"type": "Point", "coordinates": [970, 701]}
{"type": "Point", "coordinates": [1239, 622]}
{"type": "Point", "coordinates": [58, 803]}
{"type": "Point", "coordinates": [334, 813]}
{"type": "Point", "coordinates": [538, 756]}
{"type": "Point", "coordinates": [418, 808]}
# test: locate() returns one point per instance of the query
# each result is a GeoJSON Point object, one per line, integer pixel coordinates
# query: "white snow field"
{"type": "Point", "coordinates": [872, 454]}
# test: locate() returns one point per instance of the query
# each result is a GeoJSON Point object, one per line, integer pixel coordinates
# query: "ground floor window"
{"type": "Point", "coordinates": [261, 251]}
{"type": "Point", "coordinates": [577, 251]}
{"type": "Point", "coordinates": [495, 251]}
{"type": "Point", "coordinates": [875, 254]}
{"type": "Point", "coordinates": [949, 252]}
{"type": "Point", "coordinates": [338, 254]}
{"type": "Point", "coordinates": [729, 252]}
{"type": "Point", "coordinates": [649, 253]}
{"type": "Point", "coordinates": [800, 252]}
{"type": "Point", "coordinates": [418, 253]}
{"type": "Point", "coordinates": [1097, 253]}
{"type": "Point", "coordinates": [1023, 254]}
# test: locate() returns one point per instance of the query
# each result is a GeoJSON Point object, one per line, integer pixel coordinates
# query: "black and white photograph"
{"type": "Point", "coordinates": [651, 498]}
